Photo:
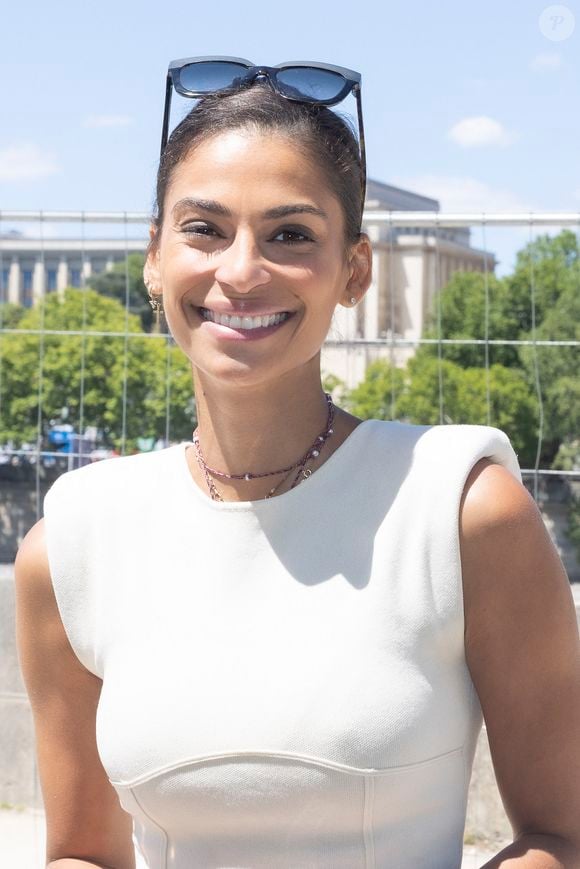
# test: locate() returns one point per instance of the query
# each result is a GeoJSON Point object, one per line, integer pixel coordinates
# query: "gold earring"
{"type": "Point", "coordinates": [155, 303]}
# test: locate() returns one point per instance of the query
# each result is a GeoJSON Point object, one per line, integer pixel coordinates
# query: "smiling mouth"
{"type": "Point", "coordinates": [245, 322]}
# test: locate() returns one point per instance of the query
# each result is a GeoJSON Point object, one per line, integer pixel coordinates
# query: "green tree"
{"type": "Point", "coordinates": [333, 385]}
{"type": "Point", "coordinates": [96, 365]}
{"type": "Point", "coordinates": [553, 263]}
{"type": "Point", "coordinates": [114, 284]}
{"type": "Point", "coordinates": [552, 266]}
{"type": "Point", "coordinates": [377, 396]}
{"type": "Point", "coordinates": [558, 369]}
{"type": "Point", "coordinates": [413, 393]}
{"type": "Point", "coordinates": [10, 315]}
{"type": "Point", "coordinates": [512, 407]}
{"type": "Point", "coordinates": [463, 306]}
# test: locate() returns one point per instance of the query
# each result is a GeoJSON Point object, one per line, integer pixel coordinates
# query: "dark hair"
{"type": "Point", "coordinates": [320, 133]}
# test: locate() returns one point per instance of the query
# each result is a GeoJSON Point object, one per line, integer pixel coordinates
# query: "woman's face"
{"type": "Point", "coordinates": [251, 230]}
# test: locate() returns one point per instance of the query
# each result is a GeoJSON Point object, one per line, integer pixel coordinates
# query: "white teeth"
{"type": "Point", "coordinates": [235, 322]}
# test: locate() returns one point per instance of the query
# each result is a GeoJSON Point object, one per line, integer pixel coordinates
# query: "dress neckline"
{"type": "Point", "coordinates": [299, 491]}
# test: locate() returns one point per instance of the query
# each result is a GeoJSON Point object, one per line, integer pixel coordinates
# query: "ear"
{"type": "Point", "coordinates": [361, 271]}
{"type": "Point", "coordinates": [151, 274]}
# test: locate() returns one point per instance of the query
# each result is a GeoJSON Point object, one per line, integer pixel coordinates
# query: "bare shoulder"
{"type": "Point", "coordinates": [83, 814]}
{"type": "Point", "coordinates": [38, 621]}
{"type": "Point", "coordinates": [492, 495]}
{"type": "Point", "coordinates": [36, 603]}
{"type": "Point", "coordinates": [508, 558]}
{"type": "Point", "coordinates": [32, 555]}
{"type": "Point", "coordinates": [523, 651]}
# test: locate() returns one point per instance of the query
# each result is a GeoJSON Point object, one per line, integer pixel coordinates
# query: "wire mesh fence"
{"type": "Point", "coordinates": [35, 288]}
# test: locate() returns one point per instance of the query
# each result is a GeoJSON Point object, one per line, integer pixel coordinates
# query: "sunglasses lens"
{"type": "Point", "coordinates": [310, 83]}
{"type": "Point", "coordinates": [210, 76]}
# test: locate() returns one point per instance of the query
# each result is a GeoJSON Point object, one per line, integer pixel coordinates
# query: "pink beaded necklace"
{"type": "Point", "coordinates": [312, 452]}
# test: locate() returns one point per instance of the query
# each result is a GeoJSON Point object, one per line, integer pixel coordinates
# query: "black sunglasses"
{"type": "Point", "coordinates": [301, 81]}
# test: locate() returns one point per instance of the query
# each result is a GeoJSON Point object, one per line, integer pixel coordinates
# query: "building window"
{"type": "Point", "coordinates": [75, 277]}
{"type": "Point", "coordinates": [50, 280]}
{"type": "Point", "coordinates": [27, 287]}
{"type": "Point", "coordinates": [5, 278]}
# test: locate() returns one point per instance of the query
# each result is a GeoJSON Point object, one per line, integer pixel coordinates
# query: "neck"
{"type": "Point", "coordinates": [259, 428]}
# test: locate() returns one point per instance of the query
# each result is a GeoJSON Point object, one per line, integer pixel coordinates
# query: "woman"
{"type": "Point", "coordinates": [272, 646]}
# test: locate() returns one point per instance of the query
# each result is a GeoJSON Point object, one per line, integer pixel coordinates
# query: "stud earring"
{"type": "Point", "coordinates": [352, 300]}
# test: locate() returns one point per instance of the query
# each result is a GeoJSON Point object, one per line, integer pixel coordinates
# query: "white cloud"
{"type": "Point", "coordinates": [479, 132]}
{"type": "Point", "coordinates": [26, 162]}
{"type": "Point", "coordinates": [551, 60]}
{"type": "Point", "coordinates": [100, 121]}
{"type": "Point", "coordinates": [462, 193]}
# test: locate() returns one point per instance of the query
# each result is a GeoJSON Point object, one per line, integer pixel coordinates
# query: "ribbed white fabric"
{"type": "Point", "coordinates": [284, 680]}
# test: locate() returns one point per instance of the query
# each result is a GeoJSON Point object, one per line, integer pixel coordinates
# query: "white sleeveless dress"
{"type": "Point", "coordinates": [284, 680]}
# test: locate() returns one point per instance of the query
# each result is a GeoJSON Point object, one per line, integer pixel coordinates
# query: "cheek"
{"type": "Point", "coordinates": [180, 264]}
{"type": "Point", "coordinates": [322, 278]}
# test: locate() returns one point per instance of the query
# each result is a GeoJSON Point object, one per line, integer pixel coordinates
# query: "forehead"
{"type": "Point", "coordinates": [252, 165]}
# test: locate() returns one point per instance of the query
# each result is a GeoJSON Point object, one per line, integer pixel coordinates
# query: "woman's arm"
{"type": "Point", "coordinates": [85, 823]}
{"type": "Point", "coordinates": [523, 652]}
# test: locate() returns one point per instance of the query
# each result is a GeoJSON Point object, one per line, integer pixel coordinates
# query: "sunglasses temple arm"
{"type": "Point", "coordinates": [166, 111]}
{"type": "Point", "coordinates": [363, 159]}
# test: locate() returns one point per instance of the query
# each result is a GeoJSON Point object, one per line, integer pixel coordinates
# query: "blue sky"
{"type": "Point", "coordinates": [474, 105]}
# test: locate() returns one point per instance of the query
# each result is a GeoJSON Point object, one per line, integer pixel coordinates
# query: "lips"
{"type": "Point", "coordinates": [245, 321]}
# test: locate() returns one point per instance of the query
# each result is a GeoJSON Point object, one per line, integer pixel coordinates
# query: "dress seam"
{"type": "Point", "coordinates": [269, 755]}
{"type": "Point", "coordinates": [155, 824]}
{"type": "Point", "coordinates": [368, 825]}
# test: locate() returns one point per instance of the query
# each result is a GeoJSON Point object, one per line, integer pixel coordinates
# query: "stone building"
{"type": "Point", "coordinates": [25, 277]}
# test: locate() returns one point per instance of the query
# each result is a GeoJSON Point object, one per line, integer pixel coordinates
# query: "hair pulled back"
{"type": "Point", "coordinates": [321, 134]}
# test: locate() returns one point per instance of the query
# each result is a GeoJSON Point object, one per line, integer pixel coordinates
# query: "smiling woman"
{"type": "Point", "coordinates": [274, 645]}
{"type": "Point", "coordinates": [253, 230]}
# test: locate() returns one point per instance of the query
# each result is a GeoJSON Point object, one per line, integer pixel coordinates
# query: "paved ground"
{"type": "Point", "coordinates": [22, 839]}
{"type": "Point", "coordinates": [22, 842]}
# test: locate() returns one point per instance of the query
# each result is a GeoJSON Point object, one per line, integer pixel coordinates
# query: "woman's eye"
{"type": "Point", "coordinates": [200, 229]}
{"type": "Point", "coordinates": [292, 236]}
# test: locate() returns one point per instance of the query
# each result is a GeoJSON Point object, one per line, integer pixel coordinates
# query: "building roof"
{"type": "Point", "coordinates": [391, 198]}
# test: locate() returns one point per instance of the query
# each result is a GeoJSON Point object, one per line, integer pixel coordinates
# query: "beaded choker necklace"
{"type": "Point", "coordinates": [311, 453]}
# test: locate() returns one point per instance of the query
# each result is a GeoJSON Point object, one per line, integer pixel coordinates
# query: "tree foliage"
{"type": "Point", "coordinates": [463, 316]}
{"type": "Point", "coordinates": [412, 395]}
{"type": "Point", "coordinates": [109, 371]}
{"type": "Point", "coordinates": [10, 315]}
{"type": "Point", "coordinates": [551, 265]}
{"type": "Point", "coordinates": [377, 396]}
{"type": "Point", "coordinates": [124, 283]}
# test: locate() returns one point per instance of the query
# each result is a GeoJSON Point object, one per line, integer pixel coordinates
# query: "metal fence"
{"type": "Point", "coordinates": [436, 222]}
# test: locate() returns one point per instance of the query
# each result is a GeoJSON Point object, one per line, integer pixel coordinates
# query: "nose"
{"type": "Point", "coordinates": [241, 265]}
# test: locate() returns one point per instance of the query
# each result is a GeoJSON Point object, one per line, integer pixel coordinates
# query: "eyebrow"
{"type": "Point", "coordinates": [217, 208]}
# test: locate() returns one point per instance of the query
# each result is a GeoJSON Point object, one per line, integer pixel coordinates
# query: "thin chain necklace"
{"type": "Point", "coordinates": [303, 472]}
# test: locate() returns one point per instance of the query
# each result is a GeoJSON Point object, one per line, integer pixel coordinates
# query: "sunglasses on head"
{"type": "Point", "coordinates": [301, 81]}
